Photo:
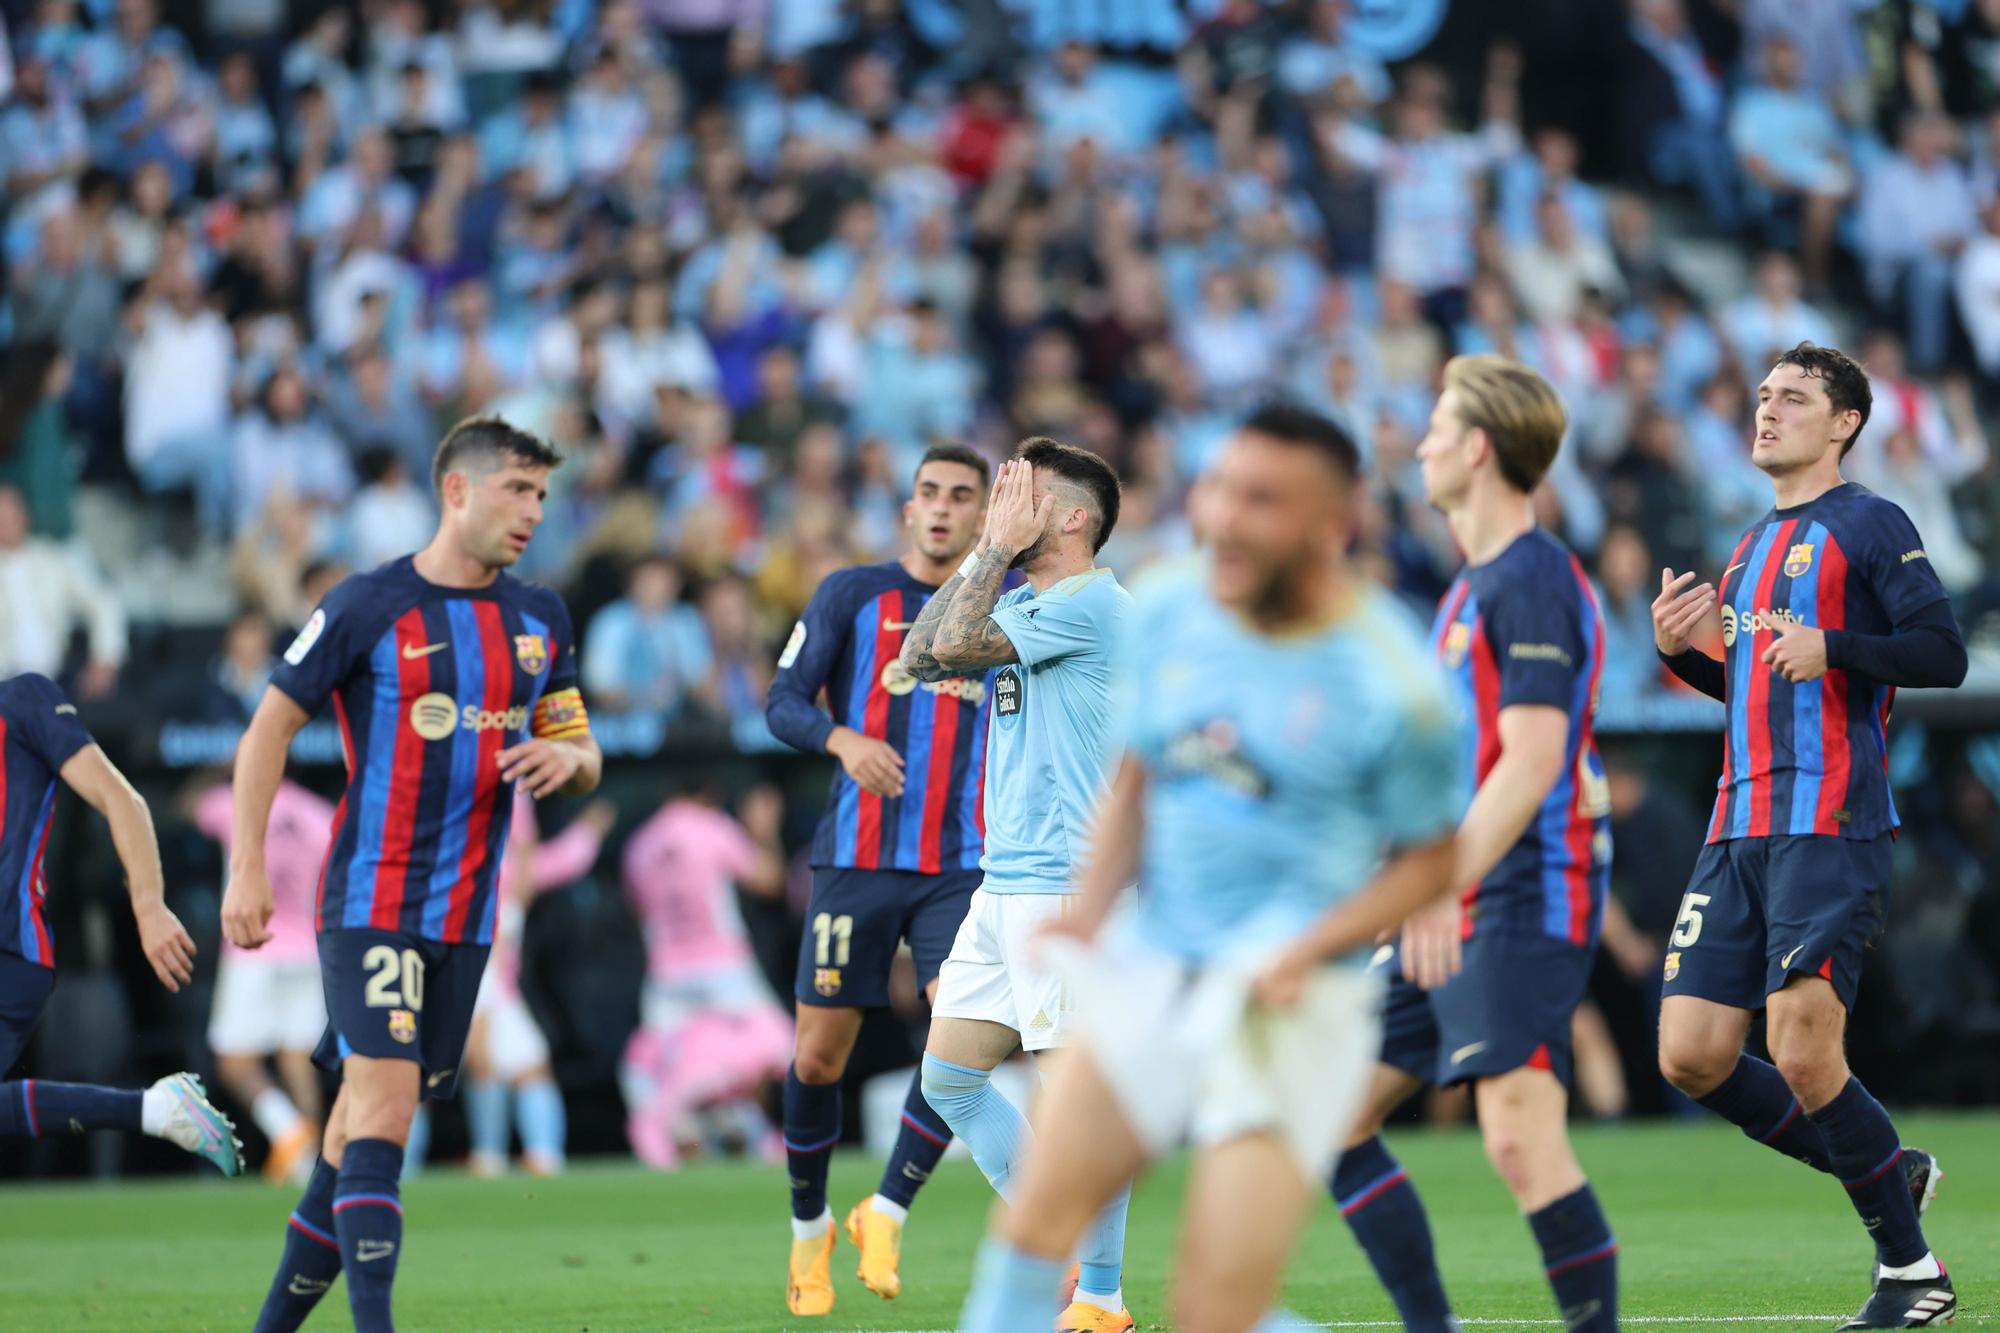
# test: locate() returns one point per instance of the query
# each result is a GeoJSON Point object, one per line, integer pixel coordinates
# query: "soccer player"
{"type": "Point", "coordinates": [452, 681]}
{"type": "Point", "coordinates": [1488, 982]}
{"type": "Point", "coordinates": [42, 741]}
{"type": "Point", "coordinates": [895, 858]}
{"type": "Point", "coordinates": [268, 1004]}
{"type": "Point", "coordinates": [1828, 606]}
{"type": "Point", "coordinates": [1048, 643]}
{"type": "Point", "coordinates": [1289, 783]}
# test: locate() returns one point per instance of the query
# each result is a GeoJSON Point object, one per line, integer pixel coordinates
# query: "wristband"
{"type": "Point", "coordinates": [971, 563]}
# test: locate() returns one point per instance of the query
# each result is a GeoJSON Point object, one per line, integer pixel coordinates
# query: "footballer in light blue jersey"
{"type": "Point", "coordinates": [1048, 749]}
{"type": "Point", "coordinates": [1289, 784]}
{"type": "Point", "coordinates": [1279, 768]}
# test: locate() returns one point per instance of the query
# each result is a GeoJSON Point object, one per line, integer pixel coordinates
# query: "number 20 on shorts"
{"type": "Point", "coordinates": [386, 967]}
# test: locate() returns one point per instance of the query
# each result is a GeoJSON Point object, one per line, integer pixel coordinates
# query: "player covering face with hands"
{"type": "Point", "coordinates": [1278, 726]}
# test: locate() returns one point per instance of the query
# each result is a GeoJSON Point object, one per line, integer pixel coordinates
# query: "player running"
{"type": "Point", "coordinates": [1289, 783]}
{"type": "Point", "coordinates": [268, 1004]}
{"type": "Point", "coordinates": [41, 741]}
{"type": "Point", "coordinates": [895, 859]}
{"type": "Point", "coordinates": [1483, 988]}
{"type": "Point", "coordinates": [452, 681]}
{"type": "Point", "coordinates": [1049, 645]}
{"type": "Point", "coordinates": [1827, 607]}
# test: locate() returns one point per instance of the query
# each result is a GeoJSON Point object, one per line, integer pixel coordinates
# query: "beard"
{"type": "Point", "coordinates": [1030, 553]}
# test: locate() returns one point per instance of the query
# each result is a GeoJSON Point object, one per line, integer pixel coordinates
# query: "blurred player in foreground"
{"type": "Point", "coordinates": [268, 1004]}
{"type": "Point", "coordinates": [1485, 986]}
{"type": "Point", "coordinates": [1289, 783]}
{"type": "Point", "coordinates": [895, 858]}
{"type": "Point", "coordinates": [41, 742]}
{"type": "Point", "coordinates": [1828, 605]}
{"type": "Point", "coordinates": [452, 681]}
{"type": "Point", "coordinates": [1048, 643]}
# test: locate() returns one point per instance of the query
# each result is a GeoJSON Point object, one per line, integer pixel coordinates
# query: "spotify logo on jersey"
{"type": "Point", "coordinates": [434, 716]}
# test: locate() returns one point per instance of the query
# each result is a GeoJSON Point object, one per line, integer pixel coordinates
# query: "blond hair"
{"type": "Point", "coordinates": [1517, 409]}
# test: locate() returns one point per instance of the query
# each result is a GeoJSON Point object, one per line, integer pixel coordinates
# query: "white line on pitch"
{"type": "Point", "coordinates": [1640, 1321]}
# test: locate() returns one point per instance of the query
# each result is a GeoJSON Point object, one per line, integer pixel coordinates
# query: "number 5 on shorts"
{"type": "Point", "coordinates": [386, 967]}
{"type": "Point", "coordinates": [1688, 928]}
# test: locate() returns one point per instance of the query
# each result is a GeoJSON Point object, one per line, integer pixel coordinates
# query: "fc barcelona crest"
{"type": "Point", "coordinates": [403, 1025]}
{"type": "Point", "coordinates": [1457, 642]}
{"type": "Point", "coordinates": [826, 980]}
{"type": "Point", "coordinates": [533, 654]}
{"type": "Point", "coordinates": [1673, 965]}
{"type": "Point", "coordinates": [1799, 560]}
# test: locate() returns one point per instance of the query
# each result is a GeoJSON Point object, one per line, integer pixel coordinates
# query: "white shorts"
{"type": "Point", "coordinates": [514, 1041]}
{"type": "Point", "coordinates": [1192, 1060]}
{"type": "Point", "coordinates": [988, 974]}
{"type": "Point", "coordinates": [260, 1008]}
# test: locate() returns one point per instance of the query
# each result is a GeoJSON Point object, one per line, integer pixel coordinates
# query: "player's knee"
{"type": "Point", "coordinates": [953, 1093]}
{"type": "Point", "coordinates": [1694, 1068]}
{"type": "Point", "coordinates": [818, 1066]}
{"type": "Point", "coordinates": [1512, 1157]}
{"type": "Point", "coordinates": [1814, 1075]}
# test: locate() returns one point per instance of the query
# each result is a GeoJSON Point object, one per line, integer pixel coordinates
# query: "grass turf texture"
{"type": "Point", "coordinates": [1710, 1225]}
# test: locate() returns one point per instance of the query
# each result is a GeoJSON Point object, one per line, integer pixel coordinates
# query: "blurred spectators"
{"type": "Point", "coordinates": [648, 652]}
{"type": "Point", "coordinates": [47, 593]}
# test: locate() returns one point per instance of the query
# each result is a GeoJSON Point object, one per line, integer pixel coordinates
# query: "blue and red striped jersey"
{"type": "Point", "coordinates": [848, 643]}
{"type": "Point", "coordinates": [429, 684]}
{"type": "Point", "coordinates": [1525, 628]}
{"type": "Point", "coordinates": [39, 731]}
{"type": "Point", "coordinates": [1813, 758]}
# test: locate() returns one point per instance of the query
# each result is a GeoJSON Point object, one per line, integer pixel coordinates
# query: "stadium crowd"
{"type": "Point", "coordinates": [743, 260]}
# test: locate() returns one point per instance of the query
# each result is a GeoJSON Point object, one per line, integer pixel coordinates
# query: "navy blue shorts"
{"type": "Point", "coordinates": [1760, 911]}
{"type": "Point", "coordinates": [396, 996]}
{"type": "Point", "coordinates": [1508, 1008]}
{"type": "Point", "coordinates": [24, 993]}
{"type": "Point", "coordinates": [857, 918]}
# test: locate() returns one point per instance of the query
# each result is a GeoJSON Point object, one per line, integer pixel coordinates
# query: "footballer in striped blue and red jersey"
{"type": "Point", "coordinates": [895, 858]}
{"type": "Point", "coordinates": [1805, 769]}
{"type": "Point", "coordinates": [1521, 628]}
{"type": "Point", "coordinates": [39, 732]}
{"type": "Point", "coordinates": [428, 685]}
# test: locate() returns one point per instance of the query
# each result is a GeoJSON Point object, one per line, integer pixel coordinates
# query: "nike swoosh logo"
{"type": "Point", "coordinates": [1733, 568]}
{"type": "Point", "coordinates": [307, 1286]}
{"type": "Point", "coordinates": [411, 652]}
{"type": "Point", "coordinates": [1786, 961]}
{"type": "Point", "coordinates": [1464, 1053]}
{"type": "Point", "coordinates": [368, 1251]}
{"type": "Point", "coordinates": [439, 1077]}
{"type": "Point", "coordinates": [893, 625]}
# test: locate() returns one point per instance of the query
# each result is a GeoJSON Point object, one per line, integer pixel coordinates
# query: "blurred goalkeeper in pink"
{"type": "Point", "coordinates": [710, 1029]}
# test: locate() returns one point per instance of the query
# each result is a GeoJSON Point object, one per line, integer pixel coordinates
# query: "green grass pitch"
{"type": "Point", "coordinates": [1713, 1230]}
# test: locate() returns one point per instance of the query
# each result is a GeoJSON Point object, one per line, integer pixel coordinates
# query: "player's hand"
{"type": "Point", "coordinates": [166, 945]}
{"type": "Point", "coordinates": [1797, 652]}
{"type": "Point", "coordinates": [542, 766]}
{"type": "Point", "coordinates": [1282, 983]}
{"type": "Point", "coordinates": [1013, 520]}
{"type": "Point", "coordinates": [1679, 611]}
{"type": "Point", "coordinates": [246, 909]}
{"type": "Point", "coordinates": [1432, 951]}
{"type": "Point", "coordinates": [874, 765]}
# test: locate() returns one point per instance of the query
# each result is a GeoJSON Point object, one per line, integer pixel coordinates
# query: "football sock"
{"type": "Point", "coordinates": [1011, 1291]}
{"type": "Point", "coordinates": [1581, 1260]}
{"type": "Point", "coordinates": [994, 1130]}
{"type": "Point", "coordinates": [889, 1208]}
{"type": "Point", "coordinates": [538, 1105]}
{"type": "Point", "coordinates": [311, 1259]}
{"type": "Point", "coordinates": [1101, 1256]}
{"type": "Point", "coordinates": [368, 1219]}
{"type": "Point", "coordinates": [1381, 1206]}
{"type": "Point", "coordinates": [486, 1120]}
{"type": "Point", "coordinates": [812, 1128]}
{"type": "Point", "coordinates": [1867, 1156]}
{"type": "Point", "coordinates": [274, 1113]}
{"type": "Point", "coordinates": [1755, 1099]}
{"type": "Point", "coordinates": [35, 1108]}
{"type": "Point", "coordinates": [920, 1142]}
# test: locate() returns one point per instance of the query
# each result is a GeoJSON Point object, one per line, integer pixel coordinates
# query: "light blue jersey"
{"type": "Point", "coordinates": [1048, 753]}
{"type": "Point", "coordinates": [1280, 769]}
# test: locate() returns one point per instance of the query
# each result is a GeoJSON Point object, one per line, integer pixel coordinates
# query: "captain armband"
{"type": "Point", "coordinates": [560, 717]}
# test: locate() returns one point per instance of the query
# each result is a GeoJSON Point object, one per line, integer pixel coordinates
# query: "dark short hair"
{"type": "Point", "coordinates": [964, 455]}
{"type": "Point", "coordinates": [1302, 426]}
{"type": "Point", "coordinates": [1083, 468]}
{"type": "Point", "coordinates": [1846, 383]}
{"type": "Point", "coordinates": [489, 442]}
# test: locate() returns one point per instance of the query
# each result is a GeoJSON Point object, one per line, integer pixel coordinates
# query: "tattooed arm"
{"type": "Point", "coordinates": [967, 639]}
{"type": "Point", "coordinates": [917, 657]}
